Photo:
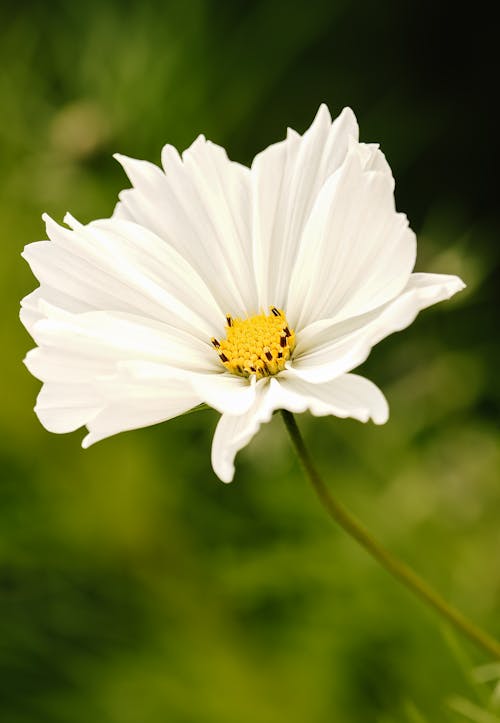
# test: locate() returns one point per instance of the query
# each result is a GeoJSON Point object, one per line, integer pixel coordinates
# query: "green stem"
{"type": "Point", "coordinates": [396, 567]}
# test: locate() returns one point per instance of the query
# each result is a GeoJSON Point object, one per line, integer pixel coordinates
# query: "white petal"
{"type": "Point", "coordinates": [372, 158]}
{"type": "Point", "coordinates": [140, 407]}
{"type": "Point", "coordinates": [52, 364]}
{"type": "Point", "coordinates": [356, 252]}
{"type": "Point", "coordinates": [233, 432]}
{"type": "Point", "coordinates": [105, 398]}
{"type": "Point", "coordinates": [30, 306]}
{"type": "Point", "coordinates": [80, 359]}
{"type": "Point", "coordinates": [347, 396]}
{"type": "Point", "coordinates": [327, 349]}
{"type": "Point", "coordinates": [119, 266]}
{"type": "Point", "coordinates": [201, 206]}
{"type": "Point", "coordinates": [220, 390]}
{"type": "Point", "coordinates": [117, 336]}
{"type": "Point", "coordinates": [286, 179]}
{"type": "Point", "coordinates": [226, 393]}
{"type": "Point", "coordinates": [64, 407]}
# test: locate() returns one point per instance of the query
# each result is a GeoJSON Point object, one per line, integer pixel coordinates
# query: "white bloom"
{"type": "Point", "coordinates": [304, 252]}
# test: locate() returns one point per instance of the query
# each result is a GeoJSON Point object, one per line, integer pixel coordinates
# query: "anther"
{"type": "Point", "coordinates": [280, 355]}
{"type": "Point", "coordinates": [275, 311]}
{"type": "Point", "coordinates": [223, 357]}
{"type": "Point", "coordinates": [269, 355]}
{"type": "Point", "coordinates": [229, 320]}
{"type": "Point", "coordinates": [287, 330]}
{"type": "Point", "coordinates": [215, 342]}
{"type": "Point", "coordinates": [283, 340]}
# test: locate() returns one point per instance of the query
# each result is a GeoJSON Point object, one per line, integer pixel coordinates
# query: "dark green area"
{"type": "Point", "coordinates": [134, 586]}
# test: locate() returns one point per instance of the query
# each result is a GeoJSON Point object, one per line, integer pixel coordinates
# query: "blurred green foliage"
{"type": "Point", "coordinates": [134, 586]}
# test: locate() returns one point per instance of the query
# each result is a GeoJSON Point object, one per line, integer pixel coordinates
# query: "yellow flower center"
{"type": "Point", "coordinates": [259, 345]}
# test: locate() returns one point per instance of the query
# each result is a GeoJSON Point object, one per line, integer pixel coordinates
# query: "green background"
{"type": "Point", "coordinates": [134, 586]}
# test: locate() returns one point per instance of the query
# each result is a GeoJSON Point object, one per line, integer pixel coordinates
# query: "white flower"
{"type": "Point", "coordinates": [304, 254]}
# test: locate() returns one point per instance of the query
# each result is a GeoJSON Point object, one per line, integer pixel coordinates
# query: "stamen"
{"type": "Point", "coordinates": [259, 345]}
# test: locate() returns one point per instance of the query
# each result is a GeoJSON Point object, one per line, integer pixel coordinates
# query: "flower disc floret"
{"type": "Point", "coordinates": [259, 345]}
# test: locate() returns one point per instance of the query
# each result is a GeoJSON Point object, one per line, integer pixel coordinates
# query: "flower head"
{"type": "Point", "coordinates": [249, 290]}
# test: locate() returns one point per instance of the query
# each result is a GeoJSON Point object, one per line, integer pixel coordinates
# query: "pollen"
{"type": "Point", "coordinates": [260, 345]}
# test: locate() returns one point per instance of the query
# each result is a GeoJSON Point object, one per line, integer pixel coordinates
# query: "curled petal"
{"type": "Point", "coordinates": [347, 396]}
{"type": "Point", "coordinates": [355, 246]}
{"type": "Point", "coordinates": [287, 178]}
{"type": "Point", "coordinates": [326, 349]}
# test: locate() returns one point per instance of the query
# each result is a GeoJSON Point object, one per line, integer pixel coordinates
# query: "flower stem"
{"type": "Point", "coordinates": [396, 567]}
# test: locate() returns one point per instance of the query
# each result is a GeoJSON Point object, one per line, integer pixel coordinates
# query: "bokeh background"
{"type": "Point", "coordinates": [134, 586]}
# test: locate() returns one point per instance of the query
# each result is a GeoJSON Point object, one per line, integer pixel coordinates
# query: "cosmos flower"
{"type": "Point", "coordinates": [249, 290]}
